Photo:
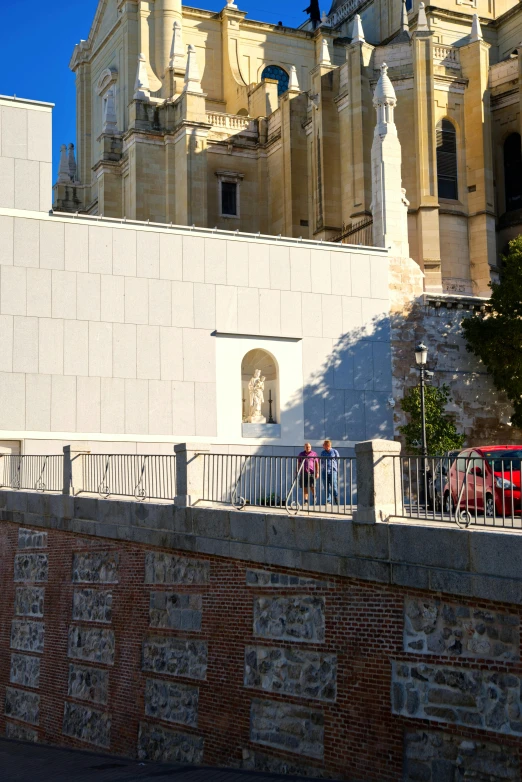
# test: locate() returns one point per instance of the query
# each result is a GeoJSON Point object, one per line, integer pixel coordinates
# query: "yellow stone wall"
{"type": "Point", "coordinates": [303, 158]}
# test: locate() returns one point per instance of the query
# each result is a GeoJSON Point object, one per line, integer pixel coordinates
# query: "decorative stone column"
{"type": "Point", "coordinates": [378, 481]}
{"type": "Point", "coordinates": [72, 468]}
{"type": "Point", "coordinates": [189, 473]}
{"type": "Point", "coordinates": [389, 204]}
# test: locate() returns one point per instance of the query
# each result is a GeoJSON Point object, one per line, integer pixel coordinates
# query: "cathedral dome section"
{"type": "Point", "coordinates": [278, 74]}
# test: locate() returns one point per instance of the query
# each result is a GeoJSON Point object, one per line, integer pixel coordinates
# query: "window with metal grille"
{"type": "Point", "coordinates": [229, 198]}
{"type": "Point", "coordinates": [447, 160]}
{"type": "Point", "coordinates": [280, 75]}
{"type": "Point", "coordinates": [513, 172]}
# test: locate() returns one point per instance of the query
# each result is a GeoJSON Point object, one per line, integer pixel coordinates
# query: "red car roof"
{"type": "Point", "coordinates": [496, 448]}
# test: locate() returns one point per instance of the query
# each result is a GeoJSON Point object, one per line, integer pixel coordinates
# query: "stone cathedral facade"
{"type": "Point", "coordinates": [192, 117]}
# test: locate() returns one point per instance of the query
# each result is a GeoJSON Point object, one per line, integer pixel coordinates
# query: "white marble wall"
{"type": "Point", "coordinates": [25, 155]}
{"type": "Point", "coordinates": [106, 329]}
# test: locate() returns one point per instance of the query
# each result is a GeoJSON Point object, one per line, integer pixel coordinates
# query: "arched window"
{"type": "Point", "coordinates": [277, 73]}
{"type": "Point", "coordinates": [513, 172]}
{"type": "Point", "coordinates": [447, 160]}
{"type": "Point", "coordinates": [259, 387]}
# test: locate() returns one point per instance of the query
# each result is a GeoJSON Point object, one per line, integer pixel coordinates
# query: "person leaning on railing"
{"type": "Point", "coordinates": [330, 470]}
{"type": "Point", "coordinates": [310, 471]}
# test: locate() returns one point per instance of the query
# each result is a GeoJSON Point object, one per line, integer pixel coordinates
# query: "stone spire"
{"type": "Point", "coordinates": [177, 51]}
{"type": "Point", "coordinates": [192, 77]}
{"type": "Point", "coordinates": [422, 22]}
{"type": "Point", "coordinates": [64, 175]}
{"type": "Point", "coordinates": [476, 31]}
{"type": "Point", "coordinates": [71, 163]}
{"type": "Point", "coordinates": [141, 85]}
{"type": "Point", "coordinates": [405, 25]}
{"type": "Point", "coordinates": [357, 30]}
{"type": "Point", "coordinates": [293, 83]}
{"type": "Point", "coordinates": [389, 204]}
{"type": "Point", "coordinates": [325, 53]}
{"type": "Point", "coordinates": [110, 122]}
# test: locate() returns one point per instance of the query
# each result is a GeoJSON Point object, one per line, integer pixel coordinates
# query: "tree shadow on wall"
{"type": "Point", "coordinates": [355, 393]}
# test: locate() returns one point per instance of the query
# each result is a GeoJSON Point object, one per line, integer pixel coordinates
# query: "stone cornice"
{"type": "Point", "coordinates": [454, 301]}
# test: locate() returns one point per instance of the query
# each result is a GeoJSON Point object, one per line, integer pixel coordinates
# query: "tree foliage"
{"type": "Point", "coordinates": [497, 337]}
{"type": "Point", "coordinates": [441, 432]}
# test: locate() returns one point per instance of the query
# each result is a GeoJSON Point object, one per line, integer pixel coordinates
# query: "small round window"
{"type": "Point", "coordinates": [277, 73]}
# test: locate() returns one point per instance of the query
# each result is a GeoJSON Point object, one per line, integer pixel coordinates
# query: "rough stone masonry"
{"type": "Point", "coordinates": [381, 656]}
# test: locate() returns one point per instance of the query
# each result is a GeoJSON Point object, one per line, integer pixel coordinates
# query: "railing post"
{"type": "Point", "coordinates": [189, 473]}
{"type": "Point", "coordinates": [72, 469]}
{"type": "Point", "coordinates": [379, 491]}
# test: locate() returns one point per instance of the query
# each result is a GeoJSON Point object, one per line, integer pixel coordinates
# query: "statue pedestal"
{"type": "Point", "coordinates": [260, 430]}
{"type": "Point", "coordinates": [256, 419]}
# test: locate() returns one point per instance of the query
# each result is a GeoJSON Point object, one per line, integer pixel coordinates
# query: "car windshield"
{"type": "Point", "coordinates": [502, 461]}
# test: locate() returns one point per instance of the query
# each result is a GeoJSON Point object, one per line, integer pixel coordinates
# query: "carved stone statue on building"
{"type": "Point", "coordinates": [256, 387]}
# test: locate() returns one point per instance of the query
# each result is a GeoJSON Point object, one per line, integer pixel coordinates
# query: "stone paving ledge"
{"type": "Point", "coordinates": [23, 762]}
{"type": "Point", "coordinates": [441, 557]}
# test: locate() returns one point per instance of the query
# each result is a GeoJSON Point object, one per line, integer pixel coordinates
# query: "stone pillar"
{"type": "Point", "coordinates": [426, 199]}
{"type": "Point", "coordinates": [474, 60]}
{"type": "Point", "coordinates": [378, 481]}
{"type": "Point", "coordinates": [389, 204]}
{"type": "Point", "coordinates": [72, 468]}
{"type": "Point", "coordinates": [355, 130]}
{"type": "Point", "coordinates": [189, 473]}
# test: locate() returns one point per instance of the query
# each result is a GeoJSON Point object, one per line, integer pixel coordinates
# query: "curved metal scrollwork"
{"type": "Point", "coordinates": [238, 502]}
{"type": "Point", "coordinates": [103, 487]}
{"type": "Point", "coordinates": [139, 492]}
{"type": "Point", "coordinates": [294, 506]}
{"type": "Point", "coordinates": [39, 483]}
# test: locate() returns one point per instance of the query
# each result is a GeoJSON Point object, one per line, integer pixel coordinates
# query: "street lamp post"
{"type": "Point", "coordinates": [421, 358]}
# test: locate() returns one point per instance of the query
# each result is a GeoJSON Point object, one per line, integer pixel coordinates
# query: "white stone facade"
{"type": "Point", "coordinates": [131, 336]}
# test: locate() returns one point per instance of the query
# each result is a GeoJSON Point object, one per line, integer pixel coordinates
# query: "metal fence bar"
{"type": "Point", "coordinates": [275, 481]}
{"type": "Point", "coordinates": [147, 476]}
{"type": "Point", "coordinates": [466, 489]}
{"type": "Point", "coordinates": [34, 472]}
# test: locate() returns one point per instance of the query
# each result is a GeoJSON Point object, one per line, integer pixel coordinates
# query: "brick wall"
{"type": "Point", "coordinates": [177, 656]}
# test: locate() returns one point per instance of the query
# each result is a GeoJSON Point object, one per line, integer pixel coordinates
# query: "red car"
{"type": "Point", "coordinates": [485, 480]}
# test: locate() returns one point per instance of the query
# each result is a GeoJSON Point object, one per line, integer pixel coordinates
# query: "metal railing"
{"type": "Point", "coordinates": [281, 482]}
{"type": "Point", "coordinates": [39, 473]}
{"type": "Point", "coordinates": [129, 475]}
{"type": "Point", "coordinates": [463, 489]}
{"type": "Point", "coordinates": [357, 233]}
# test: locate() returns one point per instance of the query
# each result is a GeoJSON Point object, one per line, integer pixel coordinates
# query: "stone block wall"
{"type": "Point", "coordinates": [480, 411]}
{"type": "Point", "coordinates": [175, 656]}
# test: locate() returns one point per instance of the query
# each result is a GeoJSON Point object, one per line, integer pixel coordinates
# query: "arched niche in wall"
{"type": "Point", "coordinates": [262, 360]}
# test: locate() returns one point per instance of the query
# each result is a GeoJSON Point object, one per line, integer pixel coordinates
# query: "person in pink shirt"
{"type": "Point", "coordinates": [310, 471]}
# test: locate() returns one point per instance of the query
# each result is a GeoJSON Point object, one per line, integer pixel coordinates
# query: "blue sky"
{"type": "Point", "coordinates": [37, 39]}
